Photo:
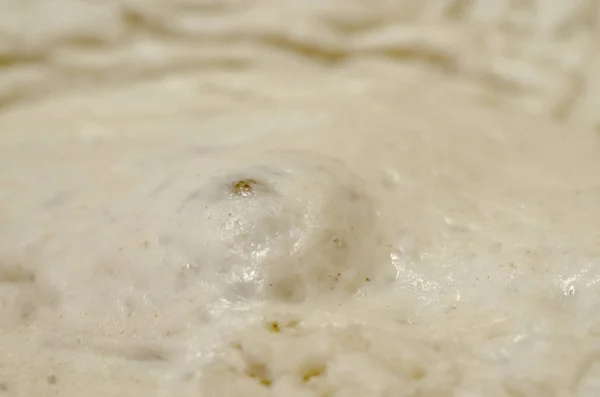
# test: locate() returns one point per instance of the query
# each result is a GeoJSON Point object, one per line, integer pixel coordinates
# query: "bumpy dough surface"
{"type": "Point", "coordinates": [311, 199]}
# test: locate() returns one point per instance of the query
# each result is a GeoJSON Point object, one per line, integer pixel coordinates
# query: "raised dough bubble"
{"type": "Point", "coordinates": [291, 227]}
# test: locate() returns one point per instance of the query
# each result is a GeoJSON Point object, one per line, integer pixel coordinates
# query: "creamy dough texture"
{"type": "Point", "coordinates": [304, 199]}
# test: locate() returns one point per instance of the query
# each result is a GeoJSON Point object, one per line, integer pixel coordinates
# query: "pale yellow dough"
{"type": "Point", "coordinates": [299, 199]}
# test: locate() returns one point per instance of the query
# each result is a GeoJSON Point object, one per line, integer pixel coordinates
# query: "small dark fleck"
{"type": "Point", "coordinates": [260, 372]}
{"type": "Point", "coordinates": [274, 327]}
{"type": "Point", "coordinates": [51, 379]}
{"type": "Point", "coordinates": [146, 243]}
{"type": "Point", "coordinates": [3, 387]}
{"type": "Point", "coordinates": [311, 373]}
{"type": "Point", "coordinates": [266, 382]}
{"type": "Point", "coordinates": [368, 279]}
{"type": "Point", "coordinates": [244, 187]}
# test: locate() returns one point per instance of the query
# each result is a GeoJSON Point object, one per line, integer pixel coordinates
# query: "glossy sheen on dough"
{"type": "Point", "coordinates": [402, 240]}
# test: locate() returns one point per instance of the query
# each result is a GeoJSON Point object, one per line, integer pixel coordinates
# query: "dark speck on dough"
{"type": "Point", "coordinates": [244, 187]}
{"type": "Point", "coordinates": [310, 373]}
{"type": "Point", "coordinates": [260, 372]}
{"type": "Point", "coordinates": [274, 327]}
{"type": "Point", "coordinates": [3, 387]}
{"type": "Point", "coordinates": [339, 243]}
{"type": "Point", "coordinates": [51, 379]}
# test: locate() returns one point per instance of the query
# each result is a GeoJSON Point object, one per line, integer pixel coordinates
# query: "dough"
{"type": "Point", "coordinates": [293, 199]}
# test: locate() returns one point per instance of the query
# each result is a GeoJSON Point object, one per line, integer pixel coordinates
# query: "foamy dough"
{"type": "Point", "coordinates": [316, 199]}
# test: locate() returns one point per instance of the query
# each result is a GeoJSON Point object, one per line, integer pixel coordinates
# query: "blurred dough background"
{"type": "Point", "coordinates": [538, 55]}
